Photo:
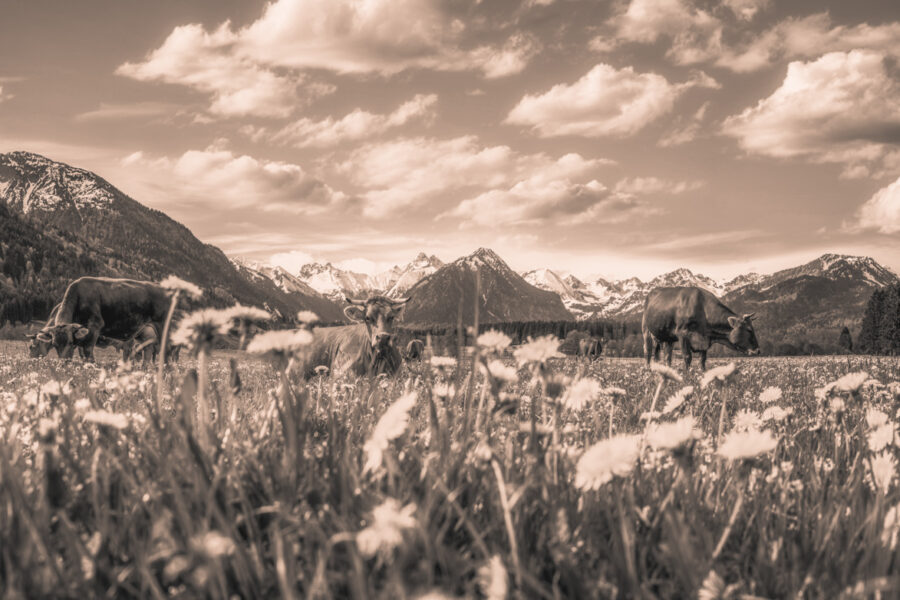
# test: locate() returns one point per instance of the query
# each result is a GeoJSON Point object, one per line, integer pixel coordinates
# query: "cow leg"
{"type": "Point", "coordinates": [95, 325]}
{"type": "Point", "coordinates": [703, 360]}
{"type": "Point", "coordinates": [686, 353]}
{"type": "Point", "coordinates": [670, 346]}
{"type": "Point", "coordinates": [648, 346]}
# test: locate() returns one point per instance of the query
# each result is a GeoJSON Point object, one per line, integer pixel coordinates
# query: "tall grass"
{"type": "Point", "coordinates": [455, 480]}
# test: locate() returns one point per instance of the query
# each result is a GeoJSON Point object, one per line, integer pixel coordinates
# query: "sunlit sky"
{"type": "Point", "coordinates": [600, 138]}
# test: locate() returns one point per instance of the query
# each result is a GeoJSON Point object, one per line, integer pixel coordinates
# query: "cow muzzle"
{"type": "Point", "coordinates": [381, 340]}
{"type": "Point", "coordinates": [753, 352]}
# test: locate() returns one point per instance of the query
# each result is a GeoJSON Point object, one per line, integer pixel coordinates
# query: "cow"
{"type": "Point", "coordinates": [590, 347]}
{"type": "Point", "coordinates": [364, 348]}
{"type": "Point", "coordinates": [41, 343]}
{"type": "Point", "coordinates": [415, 349]}
{"type": "Point", "coordinates": [696, 319]}
{"type": "Point", "coordinates": [117, 308]}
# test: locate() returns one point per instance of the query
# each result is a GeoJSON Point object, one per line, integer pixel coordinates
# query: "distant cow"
{"type": "Point", "coordinates": [590, 347]}
{"type": "Point", "coordinates": [117, 308]}
{"type": "Point", "coordinates": [696, 319]}
{"type": "Point", "coordinates": [415, 349]}
{"type": "Point", "coordinates": [41, 343]}
{"type": "Point", "coordinates": [364, 348]}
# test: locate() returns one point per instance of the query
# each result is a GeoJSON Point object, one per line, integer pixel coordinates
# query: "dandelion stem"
{"type": "Point", "coordinates": [162, 353]}
{"type": "Point", "coordinates": [721, 421]}
{"type": "Point", "coordinates": [731, 521]}
{"type": "Point", "coordinates": [507, 518]}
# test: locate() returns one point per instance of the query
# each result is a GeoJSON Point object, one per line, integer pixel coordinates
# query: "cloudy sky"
{"type": "Point", "coordinates": [616, 138]}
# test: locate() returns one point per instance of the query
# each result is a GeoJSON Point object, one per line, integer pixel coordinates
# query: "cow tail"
{"type": "Point", "coordinates": [67, 307]}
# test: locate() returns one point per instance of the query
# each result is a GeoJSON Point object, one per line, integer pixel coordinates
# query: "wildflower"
{"type": "Point", "coordinates": [443, 390]}
{"type": "Point", "coordinates": [321, 370]}
{"type": "Point", "coordinates": [279, 342]}
{"type": "Point", "coordinates": [613, 457]}
{"type": "Point", "coordinates": [500, 371]}
{"type": "Point", "coordinates": [102, 417]}
{"type": "Point", "coordinates": [385, 532]}
{"type": "Point", "coordinates": [239, 312]}
{"type": "Point", "coordinates": [718, 374]}
{"type": "Point", "coordinates": [201, 328]}
{"type": "Point", "coordinates": [666, 372]}
{"type": "Point", "coordinates": [837, 405]}
{"type": "Point", "coordinates": [880, 437]}
{"type": "Point", "coordinates": [443, 362]}
{"type": "Point", "coordinates": [746, 420]}
{"type": "Point", "coordinates": [650, 415]}
{"type": "Point", "coordinates": [891, 527]}
{"type": "Point", "coordinates": [390, 426]}
{"type": "Point", "coordinates": [776, 413]}
{"type": "Point", "coordinates": [82, 405]}
{"type": "Point", "coordinates": [307, 317]}
{"type": "Point", "coordinates": [883, 469]}
{"type": "Point", "coordinates": [177, 284]}
{"type": "Point", "coordinates": [669, 436]}
{"type": "Point", "coordinates": [875, 417]}
{"type": "Point", "coordinates": [613, 392]}
{"type": "Point", "coordinates": [770, 395]}
{"type": "Point", "coordinates": [713, 588]}
{"type": "Point", "coordinates": [677, 399]}
{"type": "Point", "coordinates": [493, 340]}
{"type": "Point", "coordinates": [52, 389]}
{"type": "Point", "coordinates": [213, 544]}
{"type": "Point", "coordinates": [492, 579]}
{"type": "Point", "coordinates": [540, 350]}
{"type": "Point", "coordinates": [580, 393]}
{"type": "Point", "coordinates": [851, 382]}
{"type": "Point", "coordinates": [739, 445]}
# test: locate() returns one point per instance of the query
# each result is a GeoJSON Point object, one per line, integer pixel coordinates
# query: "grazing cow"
{"type": "Point", "coordinates": [41, 343]}
{"type": "Point", "coordinates": [590, 347]}
{"type": "Point", "coordinates": [363, 348]}
{"type": "Point", "coordinates": [415, 349]}
{"type": "Point", "coordinates": [696, 319]}
{"type": "Point", "coordinates": [116, 308]}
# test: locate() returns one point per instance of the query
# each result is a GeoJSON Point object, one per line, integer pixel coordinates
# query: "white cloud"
{"type": "Point", "coordinates": [291, 261]}
{"type": "Point", "coordinates": [747, 9]}
{"type": "Point", "coordinates": [136, 110]}
{"type": "Point", "coordinates": [355, 126]}
{"type": "Point", "coordinates": [4, 95]}
{"type": "Point", "coordinates": [217, 177]}
{"type": "Point", "coordinates": [882, 211]}
{"type": "Point", "coordinates": [686, 128]}
{"type": "Point", "coordinates": [840, 108]}
{"type": "Point", "coordinates": [656, 185]}
{"type": "Point", "coordinates": [604, 102]}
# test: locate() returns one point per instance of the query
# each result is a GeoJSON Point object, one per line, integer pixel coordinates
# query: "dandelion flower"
{"type": "Point", "coordinates": [385, 532]}
{"type": "Point", "coordinates": [580, 394]}
{"type": "Point", "coordinates": [279, 342]}
{"type": "Point", "coordinates": [850, 383]}
{"type": "Point", "coordinates": [176, 284]}
{"type": "Point", "coordinates": [875, 417]}
{"type": "Point", "coordinates": [53, 389]}
{"type": "Point", "coordinates": [613, 457]}
{"type": "Point", "coordinates": [493, 340]}
{"type": "Point", "coordinates": [307, 317]}
{"type": "Point", "coordinates": [666, 372]}
{"type": "Point", "coordinates": [321, 370]}
{"type": "Point", "coordinates": [713, 588]}
{"type": "Point", "coordinates": [776, 413]}
{"type": "Point", "coordinates": [102, 417]}
{"type": "Point", "coordinates": [718, 374]}
{"type": "Point", "coordinates": [613, 392]}
{"type": "Point", "coordinates": [443, 362]}
{"type": "Point", "coordinates": [500, 371]}
{"type": "Point", "coordinates": [201, 328]}
{"type": "Point", "coordinates": [540, 350]}
{"type": "Point", "coordinates": [390, 426]}
{"type": "Point", "coordinates": [677, 399]}
{"type": "Point", "coordinates": [880, 437]}
{"type": "Point", "coordinates": [745, 420]}
{"type": "Point", "coordinates": [739, 445]}
{"type": "Point", "coordinates": [837, 405]}
{"type": "Point", "coordinates": [213, 544]}
{"type": "Point", "coordinates": [443, 390]}
{"type": "Point", "coordinates": [883, 469]}
{"type": "Point", "coordinates": [669, 436]}
{"type": "Point", "coordinates": [493, 580]}
{"type": "Point", "coordinates": [239, 312]}
{"type": "Point", "coordinates": [770, 395]}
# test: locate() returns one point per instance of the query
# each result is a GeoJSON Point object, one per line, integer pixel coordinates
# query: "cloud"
{"type": "Point", "coordinates": [686, 128]}
{"type": "Point", "coordinates": [683, 242]}
{"type": "Point", "coordinates": [604, 102]}
{"type": "Point", "coordinates": [291, 261]}
{"type": "Point", "coordinates": [220, 178]}
{"type": "Point", "coordinates": [655, 185]}
{"type": "Point", "coordinates": [882, 211]}
{"type": "Point", "coordinates": [841, 108]}
{"type": "Point", "coordinates": [136, 110]}
{"type": "Point", "coordinates": [747, 9]}
{"type": "Point", "coordinates": [261, 69]}
{"type": "Point", "coordinates": [355, 126]}
{"type": "Point", "coordinates": [4, 95]}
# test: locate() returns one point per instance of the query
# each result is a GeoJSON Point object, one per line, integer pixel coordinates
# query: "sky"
{"type": "Point", "coordinates": [615, 139]}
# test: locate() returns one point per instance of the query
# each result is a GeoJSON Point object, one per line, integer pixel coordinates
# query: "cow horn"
{"type": "Point", "coordinates": [401, 302]}
{"type": "Point", "coordinates": [30, 336]}
{"type": "Point", "coordinates": [353, 302]}
{"type": "Point", "coordinates": [749, 316]}
{"type": "Point", "coordinates": [43, 337]}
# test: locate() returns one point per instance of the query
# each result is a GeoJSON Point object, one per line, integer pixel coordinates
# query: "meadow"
{"type": "Point", "coordinates": [507, 472]}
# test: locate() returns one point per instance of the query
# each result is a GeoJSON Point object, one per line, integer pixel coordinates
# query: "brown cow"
{"type": "Point", "coordinates": [695, 318]}
{"type": "Point", "coordinates": [364, 348]}
{"type": "Point", "coordinates": [590, 347]}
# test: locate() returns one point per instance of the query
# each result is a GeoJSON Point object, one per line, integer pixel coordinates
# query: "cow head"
{"type": "Point", "coordinates": [378, 314]}
{"type": "Point", "coordinates": [39, 344]}
{"type": "Point", "coordinates": [65, 337]}
{"type": "Point", "coordinates": [742, 337]}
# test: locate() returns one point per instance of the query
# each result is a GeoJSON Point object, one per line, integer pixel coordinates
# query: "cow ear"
{"type": "Point", "coordinates": [81, 333]}
{"type": "Point", "coordinates": [398, 305]}
{"type": "Point", "coordinates": [734, 321]}
{"type": "Point", "coordinates": [354, 313]}
{"type": "Point", "coordinates": [749, 317]}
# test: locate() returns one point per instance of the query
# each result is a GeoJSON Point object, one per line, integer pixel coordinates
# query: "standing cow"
{"type": "Point", "coordinates": [117, 308]}
{"type": "Point", "coordinates": [696, 319]}
{"type": "Point", "coordinates": [590, 347]}
{"type": "Point", "coordinates": [364, 348]}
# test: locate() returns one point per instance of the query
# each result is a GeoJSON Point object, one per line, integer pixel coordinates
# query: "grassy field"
{"type": "Point", "coordinates": [544, 479]}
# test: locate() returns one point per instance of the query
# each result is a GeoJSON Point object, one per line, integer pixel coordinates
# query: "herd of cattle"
{"type": "Point", "coordinates": [129, 316]}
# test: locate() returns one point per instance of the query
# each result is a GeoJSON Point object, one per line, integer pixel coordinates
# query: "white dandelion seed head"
{"type": "Point", "coordinates": [739, 445]}
{"type": "Point", "coordinates": [213, 544]}
{"type": "Point", "coordinates": [202, 327]}
{"type": "Point", "coordinates": [580, 394]}
{"type": "Point", "coordinates": [666, 372]}
{"type": "Point", "coordinates": [776, 413]}
{"type": "Point", "coordinates": [500, 371]}
{"type": "Point", "coordinates": [493, 580]}
{"type": "Point", "coordinates": [106, 418]}
{"type": "Point", "coordinates": [389, 521]}
{"type": "Point", "coordinates": [493, 340]}
{"type": "Point", "coordinates": [770, 394]}
{"type": "Point", "coordinates": [746, 420]}
{"type": "Point", "coordinates": [538, 350]}
{"type": "Point", "coordinates": [612, 457]}
{"type": "Point", "coordinates": [443, 362]}
{"type": "Point", "coordinates": [875, 417]}
{"type": "Point", "coordinates": [722, 374]}
{"type": "Point", "coordinates": [669, 436]}
{"type": "Point", "coordinates": [239, 312]}
{"type": "Point", "coordinates": [307, 317]}
{"type": "Point", "coordinates": [881, 437]}
{"type": "Point", "coordinates": [882, 471]}
{"type": "Point", "coordinates": [283, 341]}
{"type": "Point", "coordinates": [390, 426]}
{"type": "Point", "coordinates": [176, 284]}
{"type": "Point", "coordinates": [850, 383]}
{"type": "Point", "coordinates": [677, 399]}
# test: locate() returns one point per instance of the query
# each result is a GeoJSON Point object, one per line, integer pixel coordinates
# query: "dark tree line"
{"type": "Point", "coordinates": [880, 333]}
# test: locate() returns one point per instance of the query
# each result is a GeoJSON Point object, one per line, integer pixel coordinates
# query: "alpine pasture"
{"type": "Point", "coordinates": [504, 472]}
